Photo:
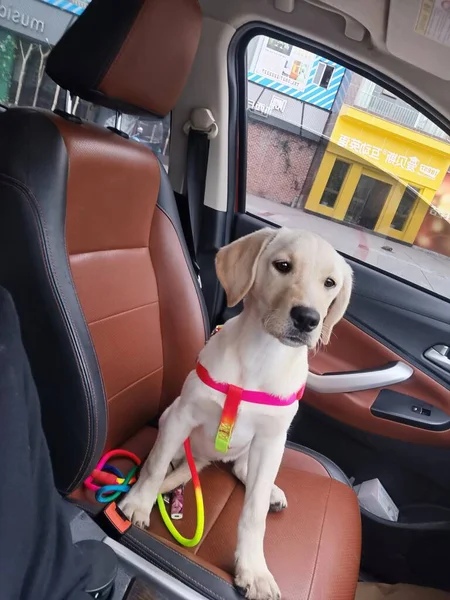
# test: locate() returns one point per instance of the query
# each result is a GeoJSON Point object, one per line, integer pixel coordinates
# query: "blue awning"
{"type": "Point", "coordinates": [76, 8]}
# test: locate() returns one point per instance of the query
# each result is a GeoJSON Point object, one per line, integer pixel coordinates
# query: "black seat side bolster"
{"type": "Point", "coordinates": [330, 467]}
{"type": "Point", "coordinates": [179, 566]}
{"type": "Point", "coordinates": [34, 268]}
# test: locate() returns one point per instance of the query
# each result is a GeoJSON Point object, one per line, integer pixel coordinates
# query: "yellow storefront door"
{"type": "Point", "coordinates": [356, 194]}
{"type": "Point", "coordinates": [365, 204]}
{"type": "Point", "coordinates": [404, 214]}
{"type": "Point", "coordinates": [350, 192]}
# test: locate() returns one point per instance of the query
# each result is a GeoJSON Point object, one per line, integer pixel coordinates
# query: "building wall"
{"type": "Point", "coordinates": [294, 71]}
{"type": "Point", "coordinates": [269, 174]}
{"type": "Point", "coordinates": [277, 163]}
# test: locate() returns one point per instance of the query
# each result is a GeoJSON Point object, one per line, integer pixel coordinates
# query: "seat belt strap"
{"type": "Point", "coordinates": [185, 218]}
{"type": "Point", "coordinates": [201, 128]}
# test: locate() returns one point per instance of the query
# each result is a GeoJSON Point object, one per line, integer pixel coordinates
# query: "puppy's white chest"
{"type": "Point", "coordinates": [249, 422]}
{"type": "Point", "coordinates": [203, 438]}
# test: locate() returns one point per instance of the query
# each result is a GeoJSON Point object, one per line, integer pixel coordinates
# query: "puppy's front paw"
{"type": "Point", "coordinates": [277, 499]}
{"type": "Point", "coordinates": [136, 510]}
{"type": "Point", "coordinates": [258, 585]}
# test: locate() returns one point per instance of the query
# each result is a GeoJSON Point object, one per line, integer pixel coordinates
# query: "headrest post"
{"type": "Point", "coordinates": [118, 121]}
{"type": "Point", "coordinates": [69, 103]}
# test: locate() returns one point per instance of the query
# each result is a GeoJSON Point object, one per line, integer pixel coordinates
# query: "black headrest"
{"type": "Point", "coordinates": [129, 55]}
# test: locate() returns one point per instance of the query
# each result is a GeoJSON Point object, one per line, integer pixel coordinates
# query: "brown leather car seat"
{"type": "Point", "coordinates": [92, 251]}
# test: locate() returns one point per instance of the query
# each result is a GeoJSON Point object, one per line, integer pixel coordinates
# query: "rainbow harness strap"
{"type": "Point", "coordinates": [234, 396]}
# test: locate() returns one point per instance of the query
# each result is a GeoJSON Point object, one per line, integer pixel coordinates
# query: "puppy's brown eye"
{"type": "Point", "coordinates": [329, 283]}
{"type": "Point", "coordinates": [282, 266]}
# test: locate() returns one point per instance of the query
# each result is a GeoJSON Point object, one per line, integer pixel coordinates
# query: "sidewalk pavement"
{"type": "Point", "coordinates": [426, 269]}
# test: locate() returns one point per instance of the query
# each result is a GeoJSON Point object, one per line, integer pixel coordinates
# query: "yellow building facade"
{"type": "Point", "coordinates": [378, 175]}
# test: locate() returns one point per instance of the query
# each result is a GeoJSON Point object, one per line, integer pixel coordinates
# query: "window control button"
{"type": "Point", "coordinates": [421, 410]}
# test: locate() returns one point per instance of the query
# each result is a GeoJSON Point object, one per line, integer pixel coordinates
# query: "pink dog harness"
{"type": "Point", "coordinates": [234, 396]}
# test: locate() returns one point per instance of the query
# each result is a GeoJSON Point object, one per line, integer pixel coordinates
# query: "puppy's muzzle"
{"type": "Point", "coordinates": [304, 318]}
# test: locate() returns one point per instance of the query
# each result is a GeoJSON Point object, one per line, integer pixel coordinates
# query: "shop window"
{"type": "Point", "coordinates": [405, 208]}
{"type": "Point", "coordinates": [323, 75]}
{"type": "Point", "coordinates": [334, 183]}
{"type": "Point", "coordinates": [336, 145]}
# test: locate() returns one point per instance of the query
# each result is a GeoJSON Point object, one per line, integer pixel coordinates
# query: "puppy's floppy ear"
{"type": "Point", "coordinates": [236, 263]}
{"type": "Point", "coordinates": [339, 305]}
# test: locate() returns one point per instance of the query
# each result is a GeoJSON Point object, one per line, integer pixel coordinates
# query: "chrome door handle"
{"type": "Point", "coordinates": [358, 381]}
{"type": "Point", "coordinates": [439, 355]}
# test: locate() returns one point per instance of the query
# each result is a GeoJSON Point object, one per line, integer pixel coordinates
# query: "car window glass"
{"type": "Point", "coordinates": [333, 152]}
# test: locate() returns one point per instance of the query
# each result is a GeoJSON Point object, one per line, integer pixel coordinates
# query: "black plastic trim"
{"type": "Point", "coordinates": [401, 408]}
{"type": "Point", "coordinates": [178, 565]}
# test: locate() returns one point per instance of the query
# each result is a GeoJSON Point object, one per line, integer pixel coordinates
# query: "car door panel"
{"type": "Point", "coordinates": [388, 321]}
{"type": "Point", "coordinates": [352, 349]}
{"type": "Point", "coordinates": [407, 318]}
{"type": "Point", "coordinates": [384, 341]}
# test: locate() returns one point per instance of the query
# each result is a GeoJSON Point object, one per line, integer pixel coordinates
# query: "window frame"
{"type": "Point", "coordinates": [338, 192]}
{"type": "Point", "coordinates": [237, 132]}
{"type": "Point", "coordinates": [237, 77]}
{"type": "Point", "coordinates": [418, 192]}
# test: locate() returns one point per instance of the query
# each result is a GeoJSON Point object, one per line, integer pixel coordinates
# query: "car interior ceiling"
{"type": "Point", "coordinates": [335, 435]}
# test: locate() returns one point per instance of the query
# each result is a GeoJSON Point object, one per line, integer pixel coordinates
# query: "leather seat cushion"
{"type": "Point", "coordinates": [312, 547]}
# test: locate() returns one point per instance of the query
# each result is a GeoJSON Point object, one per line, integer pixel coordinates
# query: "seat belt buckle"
{"type": "Point", "coordinates": [113, 521]}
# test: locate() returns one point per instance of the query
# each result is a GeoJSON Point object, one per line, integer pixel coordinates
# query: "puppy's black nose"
{"type": "Point", "coordinates": [305, 319]}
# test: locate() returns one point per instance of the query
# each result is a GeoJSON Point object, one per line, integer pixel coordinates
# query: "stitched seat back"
{"type": "Point", "coordinates": [91, 247]}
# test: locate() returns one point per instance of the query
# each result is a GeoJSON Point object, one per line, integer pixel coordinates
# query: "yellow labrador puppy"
{"type": "Point", "coordinates": [296, 288]}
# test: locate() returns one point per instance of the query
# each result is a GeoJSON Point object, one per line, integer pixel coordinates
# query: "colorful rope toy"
{"type": "Point", "coordinates": [113, 481]}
